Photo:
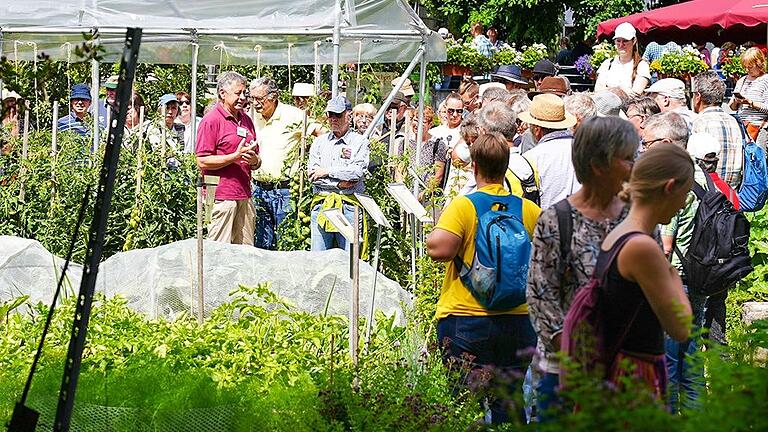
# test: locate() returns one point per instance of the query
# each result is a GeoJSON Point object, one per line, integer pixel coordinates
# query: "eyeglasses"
{"type": "Point", "coordinates": [184, 102]}
{"type": "Point", "coordinates": [452, 111]}
{"type": "Point", "coordinates": [647, 144]}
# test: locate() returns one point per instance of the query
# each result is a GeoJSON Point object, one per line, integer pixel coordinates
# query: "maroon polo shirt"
{"type": "Point", "coordinates": [218, 135]}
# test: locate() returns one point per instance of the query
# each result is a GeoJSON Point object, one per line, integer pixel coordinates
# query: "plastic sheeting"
{"type": "Point", "coordinates": [161, 282]}
{"type": "Point", "coordinates": [228, 32]}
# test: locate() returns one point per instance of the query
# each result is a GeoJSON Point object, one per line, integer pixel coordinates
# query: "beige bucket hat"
{"type": "Point", "coordinates": [548, 111]}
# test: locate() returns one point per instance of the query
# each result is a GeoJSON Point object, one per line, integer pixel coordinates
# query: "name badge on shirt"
{"type": "Point", "coordinates": [242, 132]}
{"type": "Point", "coordinates": [346, 152]}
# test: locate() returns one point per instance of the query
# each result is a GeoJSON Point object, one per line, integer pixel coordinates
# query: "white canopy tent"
{"type": "Point", "coordinates": [227, 32]}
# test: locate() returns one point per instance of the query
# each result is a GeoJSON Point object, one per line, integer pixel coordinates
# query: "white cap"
{"type": "Point", "coordinates": [303, 89]}
{"type": "Point", "coordinates": [671, 87]}
{"type": "Point", "coordinates": [486, 86]}
{"type": "Point", "coordinates": [442, 31]}
{"type": "Point", "coordinates": [624, 30]}
{"type": "Point", "coordinates": [700, 144]}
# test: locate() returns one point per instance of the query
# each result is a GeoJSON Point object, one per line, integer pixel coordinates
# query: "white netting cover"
{"type": "Point", "coordinates": [162, 282]}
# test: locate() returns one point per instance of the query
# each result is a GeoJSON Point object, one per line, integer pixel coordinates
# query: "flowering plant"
{"type": "Point", "coordinates": [679, 63]}
{"type": "Point", "coordinates": [532, 54]}
{"type": "Point", "coordinates": [601, 52]}
{"type": "Point", "coordinates": [731, 63]}
{"type": "Point", "coordinates": [464, 54]}
{"type": "Point", "coordinates": [507, 55]}
{"type": "Point", "coordinates": [583, 65]}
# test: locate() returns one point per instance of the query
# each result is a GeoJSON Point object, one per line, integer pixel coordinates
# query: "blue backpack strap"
{"type": "Point", "coordinates": [483, 202]}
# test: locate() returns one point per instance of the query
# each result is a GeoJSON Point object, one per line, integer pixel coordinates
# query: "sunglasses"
{"type": "Point", "coordinates": [452, 111]}
{"type": "Point", "coordinates": [184, 102]}
{"type": "Point", "coordinates": [647, 144]}
{"type": "Point", "coordinates": [335, 115]}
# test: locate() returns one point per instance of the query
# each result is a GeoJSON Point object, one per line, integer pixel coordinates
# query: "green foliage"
{"type": "Point", "coordinates": [54, 187]}
{"type": "Point", "coordinates": [589, 13]}
{"type": "Point", "coordinates": [256, 358]}
{"type": "Point", "coordinates": [463, 54]}
{"type": "Point", "coordinates": [512, 18]}
{"type": "Point", "coordinates": [688, 61]}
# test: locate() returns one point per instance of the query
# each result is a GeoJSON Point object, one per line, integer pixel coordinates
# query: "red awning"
{"type": "Point", "coordinates": [701, 21]}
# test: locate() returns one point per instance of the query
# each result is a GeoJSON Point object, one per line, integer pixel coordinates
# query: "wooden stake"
{"type": "Point", "coordinates": [54, 149]}
{"type": "Point", "coordinates": [303, 145]}
{"type": "Point", "coordinates": [139, 157]}
{"type": "Point", "coordinates": [200, 299]}
{"type": "Point", "coordinates": [24, 151]}
{"type": "Point", "coordinates": [354, 312]}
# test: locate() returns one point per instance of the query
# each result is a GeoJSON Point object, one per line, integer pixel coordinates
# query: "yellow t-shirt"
{"type": "Point", "coordinates": [460, 218]}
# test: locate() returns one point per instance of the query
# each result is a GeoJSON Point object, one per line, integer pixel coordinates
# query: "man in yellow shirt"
{"type": "Point", "coordinates": [465, 327]}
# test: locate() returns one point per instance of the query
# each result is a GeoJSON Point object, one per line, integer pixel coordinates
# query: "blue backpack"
{"type": "Point", "coordinates": [753, 191]}
{"type": "Point", "coordinates": [499, 271]}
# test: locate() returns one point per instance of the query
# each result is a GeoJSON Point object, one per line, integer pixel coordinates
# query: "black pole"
{"type": "Point", "coordinates": [96, 233]}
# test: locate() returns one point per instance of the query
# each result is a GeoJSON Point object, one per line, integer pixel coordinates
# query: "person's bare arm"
{"type": "Point", "coordinates": [442, 245]}
{"type": "Point", "coordinates": [641, 261]}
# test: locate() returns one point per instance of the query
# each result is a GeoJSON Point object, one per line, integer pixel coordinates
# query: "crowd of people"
{"type": "Point", "coordinates": [589, 175]}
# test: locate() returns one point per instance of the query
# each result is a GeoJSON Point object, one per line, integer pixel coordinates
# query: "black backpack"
{"type": "Point", "coordinates": [718, 255]}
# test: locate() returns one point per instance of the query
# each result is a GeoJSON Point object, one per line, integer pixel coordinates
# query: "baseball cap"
{"type": "Point", "coordinates": [671, 87]}
{"type": "Point", "coordinates": [625, 30]}
{"type": "Point", "coordinates": [167, 98]}
{"type": "Point", "coordinates": [80, 91]}
{"type": "Point", "coordinates": [111, 82]}
{"type": "Point", "coordinates": [338, 105]}
{"type": "Point", "coordinates": [701, 144]}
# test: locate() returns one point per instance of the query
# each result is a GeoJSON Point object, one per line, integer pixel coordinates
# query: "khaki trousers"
{"type": "Point", "coordinates": [232, 222]}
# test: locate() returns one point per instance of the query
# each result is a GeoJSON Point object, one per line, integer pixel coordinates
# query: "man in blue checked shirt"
{"type": "Point", "coordinates": [337, 163]}
{"type": "Point", "coordinates": [79, 103]}
{"type": "Point", "coordinates": [480, 42]}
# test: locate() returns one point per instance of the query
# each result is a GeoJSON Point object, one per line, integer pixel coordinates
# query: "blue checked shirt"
{"type": "Point", "coordinates": [483, 45]}
{"type": "Point", "coordinates": [345, 158]}
{"type": "Point", "coordinates": [726, 130]}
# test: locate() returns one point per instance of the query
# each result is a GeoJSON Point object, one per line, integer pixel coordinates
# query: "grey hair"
{"type": "Point", "coordinates": [598, 140]}
{"type": "Point", "coordinates": [267, 82]}
{"type": "Point", "coordinates": [495, 94]}
{"type": "Point", "coordinates": [668, 125]}
{"type": "Point", "coordinates": [580, 105]}
{"type": "Point", "coordinates": [520, 103]}
{"type": "Point", "coordinates": [498, 117]}
{"type": "Point", "coordinates": [226, 79]}
{"type": "Point", "coordinates": [710, 87]}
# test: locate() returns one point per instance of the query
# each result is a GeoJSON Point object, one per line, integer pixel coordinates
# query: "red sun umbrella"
{"type": "Point", "coordinates": [701, 21]}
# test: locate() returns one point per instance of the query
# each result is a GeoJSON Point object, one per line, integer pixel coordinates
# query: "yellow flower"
{"type": "Point", "coordinates": [656, 66]}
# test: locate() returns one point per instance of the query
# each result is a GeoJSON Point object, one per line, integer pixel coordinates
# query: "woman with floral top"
{"type": "Point", "coordinates": [604, 150]}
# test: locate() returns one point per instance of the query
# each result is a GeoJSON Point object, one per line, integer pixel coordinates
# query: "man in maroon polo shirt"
{"type": "Point", "coordinates": [227, 148]}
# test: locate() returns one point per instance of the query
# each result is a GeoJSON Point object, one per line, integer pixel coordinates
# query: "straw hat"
{"type": "Point", "coordinates": [548, 111]}
{"type": "Point", "coordinates": [10, 94]}
{"type": "Point", "coordinates": [407, 87]}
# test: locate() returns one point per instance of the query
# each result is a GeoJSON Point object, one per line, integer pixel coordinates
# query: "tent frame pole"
{"type": "Point", "coordinates": [420, 130]}
{"type": "Point", "coordinates": [379, 114]}
{"type": "Point", "coordinates": [336, 49]}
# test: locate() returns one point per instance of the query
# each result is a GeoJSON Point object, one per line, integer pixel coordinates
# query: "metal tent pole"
{"type": "Point", "coordinates": [420, 131]}
{"type": "Point", "coordinates": [336, 48]}
{"type": "Point", "coordinates": [385, 104]}
{"type": "Point", "coordinates": [193, 92]}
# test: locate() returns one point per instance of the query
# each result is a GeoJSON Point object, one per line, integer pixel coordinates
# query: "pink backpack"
{"type": "Point", "coordinates": [583, 330]}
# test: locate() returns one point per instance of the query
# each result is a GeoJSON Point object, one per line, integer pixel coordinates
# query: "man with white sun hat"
{"type": "Point", "coordinates": [549, 123]}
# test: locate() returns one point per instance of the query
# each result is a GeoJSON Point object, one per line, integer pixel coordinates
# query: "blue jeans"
{"type": "Point", "coordinates": [271, 208]}
{"type": "Point", "coordinates": [323, 240]}
{"type": "Point", "coordinates": [497, 341]}
{"type": "Point", "coordinates": [547, 399]}
{"type": "Point", "coordinates": [686, 376]}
